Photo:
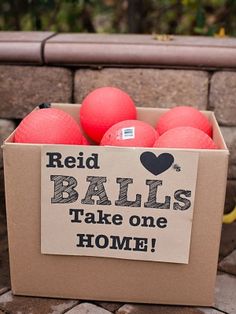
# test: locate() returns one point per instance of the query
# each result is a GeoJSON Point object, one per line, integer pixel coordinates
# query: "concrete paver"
{"type": "Point", "coordinates": [168, 89]}
{"type": "Point", "coordinates": [205, 310]}
{"type": "Point", "coordinates": [22, 47]}
{"type": "Point", "coordinates": [228, 264]}
{"type": "Point", "coordinates": [87, 308]}
{"type": "Point", "coordinates": [28, 305]}
{"type": "Point", "coordinates": [222, 95]}
{"type": "Point", "coordinates": [225, 293]}
{"type": "Point", "coordinates": [32, 85]}
{"type": "Point", "coordinates": [154, 309]}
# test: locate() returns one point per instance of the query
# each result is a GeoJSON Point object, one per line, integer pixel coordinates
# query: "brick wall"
{"type": "Point", "coordinates": [24, 84]}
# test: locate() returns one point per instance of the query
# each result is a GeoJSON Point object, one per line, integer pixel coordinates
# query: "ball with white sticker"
{"type": "Point", "coordinates": [132, 133]}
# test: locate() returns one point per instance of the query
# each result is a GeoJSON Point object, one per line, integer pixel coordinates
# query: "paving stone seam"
{"type": "Point", "coordinates": [5, 291]}
{"type": "Point", "coordinates": [209, 107]}
{"type": "Point", "coordinates": [42, 50]}
{"type": "Point", "coordinates": [219, 310]}
{"type": "Point", "coordinates": [73, 72]}
{"type": "Point", "coordinates": [226, 272]}
{"type": "Point", "coordinates": [224, 256]}
{"type": "Point", "coordinates": [70, 308]}
{"type": "Point", "coordinates": [230, 252]}
{"type": "Point", "coordinates": [96, 303]}
{"type": "Point", "coordinates": [85, 301]}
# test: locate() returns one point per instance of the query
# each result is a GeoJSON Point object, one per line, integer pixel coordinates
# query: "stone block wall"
{"type": "Point", "coordinates": [23, 86]}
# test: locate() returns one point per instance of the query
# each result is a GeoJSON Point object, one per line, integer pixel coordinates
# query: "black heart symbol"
{"type": "Point", "coordinates": [156, 164]}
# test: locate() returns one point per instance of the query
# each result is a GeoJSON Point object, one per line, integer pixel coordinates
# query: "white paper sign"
{"type": "Point", "coordinates": [117, 202]}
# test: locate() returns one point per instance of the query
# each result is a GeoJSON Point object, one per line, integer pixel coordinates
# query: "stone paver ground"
{"type": "Point", "coordinates": [225, 289]}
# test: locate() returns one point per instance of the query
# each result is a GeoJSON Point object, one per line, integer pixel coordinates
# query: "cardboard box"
{"type": "Point", "coordinates": [107, 276]}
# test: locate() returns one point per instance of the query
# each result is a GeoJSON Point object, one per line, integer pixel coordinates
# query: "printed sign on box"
{"type": "Point", "coordinates": [119, 203]}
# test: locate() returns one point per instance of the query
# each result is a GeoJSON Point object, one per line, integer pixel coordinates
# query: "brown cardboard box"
{"type": "Point", "coordinates": [105, 278]}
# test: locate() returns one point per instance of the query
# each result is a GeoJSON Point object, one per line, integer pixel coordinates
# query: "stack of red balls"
{"type": "Point", "coordinates": [108, 117]}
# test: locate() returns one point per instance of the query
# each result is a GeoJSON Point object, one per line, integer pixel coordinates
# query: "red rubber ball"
{"type": "Point", "coordinates": [133, 133]}
{"type": "Point", "coordinates": [48, 126]}
{"type": "Point", "coordinates": [104, 107]}
{"type": "Point", "coordinates": [184, 116]}
{"type": "Point", "coordinates": [185, 137]}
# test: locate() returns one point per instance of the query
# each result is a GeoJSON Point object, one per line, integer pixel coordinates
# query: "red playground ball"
{"type": "Point", "coordinates": [133, 133]}
{"type": "Point", "coordinates": [48, 126]}
{"type": "Point", "coordinates": [103, 108]}
{"type": "Point", "coordinates": [184, 116]}
{"type": "Point", "coordinates": [185, 137]}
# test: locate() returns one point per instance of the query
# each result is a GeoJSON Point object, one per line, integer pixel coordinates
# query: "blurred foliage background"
{"type": "Point", "coordinates": [182, 17]}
